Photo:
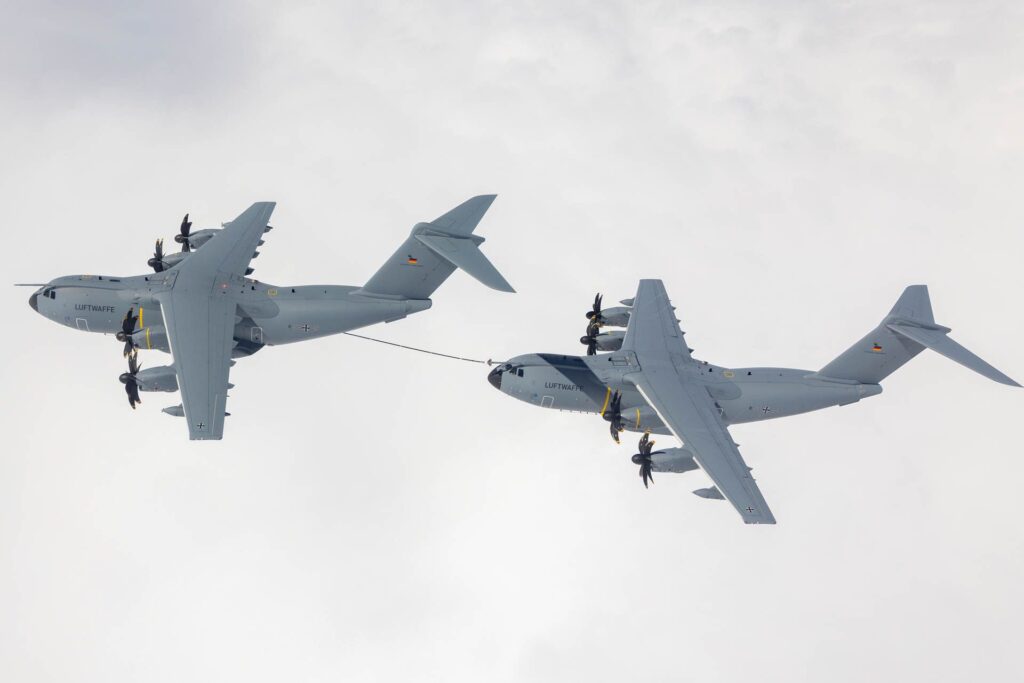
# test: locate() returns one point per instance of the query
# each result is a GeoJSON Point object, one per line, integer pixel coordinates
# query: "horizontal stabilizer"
{"type": "Point", "coordinates": [938, 341]}
{"type": "Point", "coordinates": [464, 253]}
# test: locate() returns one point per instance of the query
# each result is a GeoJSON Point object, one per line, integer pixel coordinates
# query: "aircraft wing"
{"type": "Point", "coordinates": [669, 380]}
{"type": "Point", "coordinates": [231, 249]}
{"type": "Point", "coordinates": [199, 315]}
{"type": "Point", "coordinates": [200, 328]}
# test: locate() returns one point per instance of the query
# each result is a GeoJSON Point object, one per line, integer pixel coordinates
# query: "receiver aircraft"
{"type": "Point", "coordinates": [649, 382]}
{"type": "Point", "coordinates": [200, 306]}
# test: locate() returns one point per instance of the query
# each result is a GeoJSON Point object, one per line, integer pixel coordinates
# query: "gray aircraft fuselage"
{"type": "Point", "coordinates": [585, 384]}
{"type": "Point", "coordinates": [272, 314]}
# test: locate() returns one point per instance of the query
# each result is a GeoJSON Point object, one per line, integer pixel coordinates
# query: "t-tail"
{"type": "Point", "coordinates": [434, 251]}
{"type": "Point", "coordinates": [909, 329]}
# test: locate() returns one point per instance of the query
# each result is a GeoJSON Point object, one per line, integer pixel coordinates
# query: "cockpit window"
{"type": "Point", "coordinates": [519, 372]}
{"type": "Point", "coordinates": [53, 293]}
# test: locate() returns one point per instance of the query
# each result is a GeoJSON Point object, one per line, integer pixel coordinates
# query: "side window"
{"type": "Point", "coordinates": [519, 372]}
{"type": "Point", "coordinates": [53, 293]}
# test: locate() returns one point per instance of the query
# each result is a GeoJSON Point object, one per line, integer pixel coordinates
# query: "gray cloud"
{"type": "Point", "coordinates": [373, 515]}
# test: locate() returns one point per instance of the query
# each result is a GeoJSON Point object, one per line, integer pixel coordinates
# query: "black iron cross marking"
{"type": "Point", "coordinates": [766, 410]}
{"type": "Point", "coordinates": [201, 425]}
{"type": "Point", "coordinates": [750, 509]}
{"type": "Point", "coordinates": [305, 327]}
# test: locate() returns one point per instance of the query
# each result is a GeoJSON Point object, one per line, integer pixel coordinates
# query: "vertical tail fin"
{"type": "Point", "coordinates": [433, 251]}
{"type": "Point", "coordinates": [914, 304]}
{"type": "Point", "coordinates": [907, 330]}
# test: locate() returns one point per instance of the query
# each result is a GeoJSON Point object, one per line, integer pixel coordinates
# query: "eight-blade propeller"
{"type": "Point", "coordinates": [590, 338]}
{"type": "Point", "coordinates": [613, 415]}
{"type": "Point", "coordinates": [182, 237]}
{"type": "Point", "coordinates": [643, 458]}
{"type": "Point", "coordinates": [157, 262]}
{"type": "Point", "coordinates": [127, 328]}
{"type": "Point", "coordinates": [130, 381]}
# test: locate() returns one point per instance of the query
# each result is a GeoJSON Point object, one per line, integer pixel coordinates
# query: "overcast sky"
{"type": "Point", "coordinates": [379, 515]}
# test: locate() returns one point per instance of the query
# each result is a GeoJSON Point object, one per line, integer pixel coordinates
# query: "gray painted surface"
{"type": "Point", "coordinates": [665, 391]}
{"type": "Point", "coordinates": [205, 311]}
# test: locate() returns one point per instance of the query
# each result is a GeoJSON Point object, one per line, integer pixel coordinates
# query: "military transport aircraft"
{"type": "Point", "coordinates": [650, 383]}
{"type": "Point", "coordinates": [200, 306]}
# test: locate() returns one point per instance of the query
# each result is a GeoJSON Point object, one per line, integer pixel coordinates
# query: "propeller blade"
{"type": "Point", "coordinates": [132, 389]}
{"type": "Point", "coordinates": [595, 312]}
{"type": "Point", "coordinates": [183, 232]}
{"type": "Point", "coordinates": [128, 324]}
{"type": "Point", "coordinates": [646, 473]}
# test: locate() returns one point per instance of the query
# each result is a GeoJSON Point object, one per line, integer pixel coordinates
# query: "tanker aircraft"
{"type": "Point", "coordinates": [650, 383]}
{"type": "Point", "coordinates": [200, 305]}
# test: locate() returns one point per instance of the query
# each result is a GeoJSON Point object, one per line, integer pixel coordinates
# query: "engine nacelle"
{"type": "Point", "coordinates": [617, 316]}
{"type": "Point", "coordinates": [610, 341]}
{"type": "Point", "coordinates": [201, 237]}
{"type": "Point", "coordinates": [673, 460]}
{"type": "Point", "coordinates": [171, 260]}
{"type": "Point", "coordinates": [160, 378]}
{"type": "Point", "coordinates": [152, 337]}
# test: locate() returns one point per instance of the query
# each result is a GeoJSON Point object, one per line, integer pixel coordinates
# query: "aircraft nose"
{"type": "Point", "coordinates": [33, 301]}
{"type": "Point", "coordinates": [495, 378]}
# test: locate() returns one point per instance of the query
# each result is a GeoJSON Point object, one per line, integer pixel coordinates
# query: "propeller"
{"type": "Point", "coordinates": [130, 381]}
{"type": "Point", "coordinates": [613, 415]}
{"type": "Point", "coordinates": [590, 338]}
{"type": "Point", "coordinates": [182, 237]}
{"type": "Point", "coordinates": [127, 328]}
{"type": "Point", "coordinates": [594, 314]}
{"type": "Point", "coordinates": [643, 458]}
{"type": "Point", "coordinates": [157, 262]}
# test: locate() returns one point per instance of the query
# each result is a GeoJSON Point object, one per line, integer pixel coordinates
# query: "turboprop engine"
{"type": "Point", "coordinates": [160, 378]}
{"type": "Point", "coordinates": [595, 340]}
{"type": "Point", "coordinates": [201, 237]}
{"type": "Point", "coordinates": [610, 341]}
{"type": "Point", "coordinates": [617, 316]}
{"type": "Point", "coordinates": [677, 460]}
{"type": "Point", "coordinates": [152, 337]}
{"type": "Point", "coordinates": [664, 460]}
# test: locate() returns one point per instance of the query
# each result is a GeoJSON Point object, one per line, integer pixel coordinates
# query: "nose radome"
{"type": "Point", "coordinates": [33, 301]}
{"type": "Point", "coordinates": [494, 377]}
